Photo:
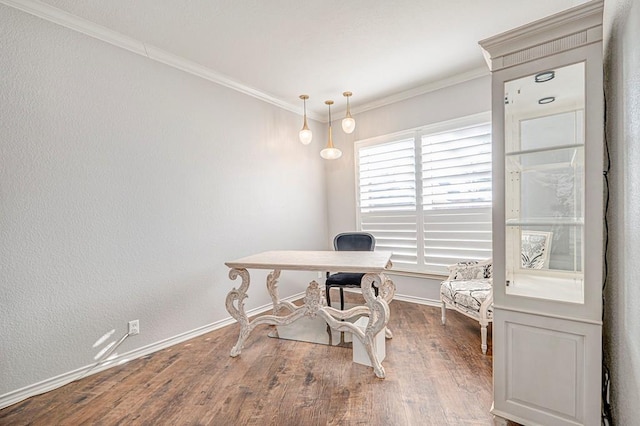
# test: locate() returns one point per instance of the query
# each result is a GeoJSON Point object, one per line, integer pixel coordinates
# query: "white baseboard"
{"type": "Point", "coordinates": [47, 385]}
{"type": "Point", "coordinates": [406, 298]}
{"type": "Point", "coordinates": [418, 300]}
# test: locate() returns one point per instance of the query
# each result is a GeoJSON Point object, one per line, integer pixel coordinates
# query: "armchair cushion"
{"type": "Point", "coordinates": [467, 295]}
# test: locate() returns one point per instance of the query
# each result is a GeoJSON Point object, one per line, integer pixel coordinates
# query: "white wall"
{"type": "Point", "coordinates": [622, 295]}
{"type": "Point", "coordinates": [470, 97]}
{"type": "Point", "coordinates": [124, 187]}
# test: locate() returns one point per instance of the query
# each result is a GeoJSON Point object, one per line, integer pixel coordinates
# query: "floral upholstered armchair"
{"type": "Point", "coordinates": [468, 290]}
{"type": "Point", "coordinates": [469, 287]}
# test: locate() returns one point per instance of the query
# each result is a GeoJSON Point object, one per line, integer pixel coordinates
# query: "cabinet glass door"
{"type": "Point", "coordinates": [544, 184]}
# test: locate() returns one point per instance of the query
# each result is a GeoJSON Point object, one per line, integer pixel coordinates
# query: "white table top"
{"type": "Point", "coordinates": [336, 261]}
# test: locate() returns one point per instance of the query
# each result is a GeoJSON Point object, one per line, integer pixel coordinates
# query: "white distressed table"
{"type": "Point", "coordinates": [371, 263]}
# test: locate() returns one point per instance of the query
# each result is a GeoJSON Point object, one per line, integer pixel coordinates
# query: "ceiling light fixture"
{"type": "Point", "coordinates": [305, 134]}
{"type": "Point", "coordinates": [330, 152]}
{"type": "Point", "coordinates": [544, 76]}
{"type": "Point", "coordinates": [348, 123]}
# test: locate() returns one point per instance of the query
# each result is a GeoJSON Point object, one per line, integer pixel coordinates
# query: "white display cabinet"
{"type": "Point", "coordinates": [547, 113]}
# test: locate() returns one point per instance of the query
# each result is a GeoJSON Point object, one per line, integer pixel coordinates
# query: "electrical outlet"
{"type": "Point", "coordinates": [134, 327]}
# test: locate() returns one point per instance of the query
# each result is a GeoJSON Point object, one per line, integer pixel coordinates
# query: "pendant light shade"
{"type": "Point", "coordinates": [305, 134]}
{"type": "Point", "coordinates": [348, 123]}
{"type": "Point", "coordinates": [330, 152]}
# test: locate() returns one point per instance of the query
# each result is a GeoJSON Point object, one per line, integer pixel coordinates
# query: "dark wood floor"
{"type": "Point", "coordinates": [436, 375]}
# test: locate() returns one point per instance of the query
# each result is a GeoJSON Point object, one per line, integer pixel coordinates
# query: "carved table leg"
{"type": "Point", "coordinates": [387, 291]}
{"type": "Point", "coordinates": [235, 306]}
{"type": "Point", "coordinates": [314, 304]}
{"type": "Point", "coordinates": [272, 288]}
{"type": "Point", "coordinates": [378, 318]}
{"type": "Point", "coordinates": [278, 305]}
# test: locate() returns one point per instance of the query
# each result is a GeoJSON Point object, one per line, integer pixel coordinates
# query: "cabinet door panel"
{"type": "Point", "coordinates": [540, 372]}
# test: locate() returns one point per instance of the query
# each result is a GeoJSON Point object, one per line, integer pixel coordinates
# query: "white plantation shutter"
{"type": "Point", "coordinates": [426, 196]}
{"type": "Point", "coordinates": [387, 191]}
{"type": "Point", "coordinates": [456, 196]}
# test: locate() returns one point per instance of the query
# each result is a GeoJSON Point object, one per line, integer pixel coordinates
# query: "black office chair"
{"type": "Point", "coordinates": [349, 241]}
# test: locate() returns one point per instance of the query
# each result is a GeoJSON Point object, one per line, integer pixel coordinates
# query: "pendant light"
{"type": "Point", "coordinates": [330, 152]}
{"type": "Point", "coordinates": [305, 134]}
{"type": "Point", "coordinates": [348, 123]}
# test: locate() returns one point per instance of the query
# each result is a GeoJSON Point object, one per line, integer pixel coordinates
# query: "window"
{"type": "Point", "coordinates": [425, 194]}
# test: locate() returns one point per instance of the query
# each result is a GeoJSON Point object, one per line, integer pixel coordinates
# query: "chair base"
{"type": "Point", "coordinates": [472, 297]}
{"type": "Point", "coordinates": [328, 293]}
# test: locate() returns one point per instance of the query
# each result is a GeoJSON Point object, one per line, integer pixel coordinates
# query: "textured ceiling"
{"type": "Point", "coordinates": [377, 49]}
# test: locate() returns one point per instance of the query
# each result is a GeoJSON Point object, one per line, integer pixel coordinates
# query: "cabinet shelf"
{"type": "Point", "coordinates": [546, 149]}
{"type": "Point", "coordinates": [543, 221]}
{"type": "Point", "coordinates": [569, 158]}
{"type": "Point", "coordinates": [562, 287]}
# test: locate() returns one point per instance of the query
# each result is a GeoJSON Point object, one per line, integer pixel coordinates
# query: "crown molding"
{"type": "Point", "coordinates": [65, 19]}
{"type": "Point", "coordinates": [91, 29]}
{"type": "Point", "coordinates": [421, 90]}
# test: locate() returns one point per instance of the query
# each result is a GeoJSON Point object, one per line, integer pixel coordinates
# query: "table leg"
{"type": "Point", "coordinates": [378, 316]}
{"type": "Point", "coordinates": [376, 307]}
{"type": "Point", "coordinates": [387, 291]}
{"type": "Point", "coordinates": [235, 306]}
{"type": "Point", "coordinates": [272, 288]}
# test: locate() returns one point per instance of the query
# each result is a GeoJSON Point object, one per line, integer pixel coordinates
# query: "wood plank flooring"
{"type": "Point", "coordinates": [436, 375]}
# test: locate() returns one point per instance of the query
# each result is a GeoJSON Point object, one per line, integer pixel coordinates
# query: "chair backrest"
{"type": "Point", "coordinates": [354, 241]}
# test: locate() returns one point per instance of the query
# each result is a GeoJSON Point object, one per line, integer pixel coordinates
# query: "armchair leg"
{"type": "Point", "coordinates": [483, 335]}
{"type": "Point", "coordinates": [327, 295]}
{"type": "Point", "coordinates": [444, 313]}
